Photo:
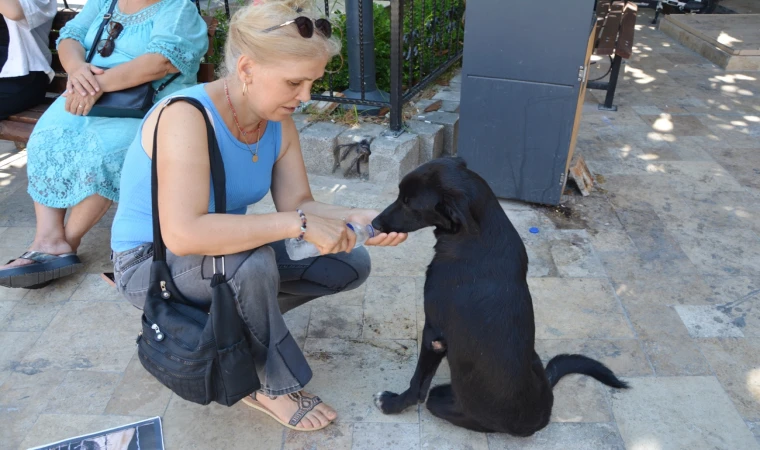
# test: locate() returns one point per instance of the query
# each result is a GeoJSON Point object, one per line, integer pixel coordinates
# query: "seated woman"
{"type": "Point", "coordinates": [25, 58]}
{"type": "Point", "coordinates": [74, 160]}
{"type": "Point", "coordinates": [274, 54]}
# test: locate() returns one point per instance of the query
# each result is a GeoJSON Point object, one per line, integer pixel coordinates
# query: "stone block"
{"type": "Point", "coordinates": [302, 121]}
{"type": "Point", "coordinates": [317, 145]}
{"type": "Point", "coordinates": [393, 157]}
{"type": "Point", "coordinates": [354, 135]}
{"type": "Point", "coordinates": [450, 122]}
{"type": "Point", "coordinates": [431, 139]}
{"type": "Point", "coordinates": [448, 94]}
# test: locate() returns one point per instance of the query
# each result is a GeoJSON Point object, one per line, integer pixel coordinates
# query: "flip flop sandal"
{"type": "Point", "coordinates": [44, 269]}
{"type": "Point", "coordinates": [305, 405]}
{"type": "Point", "coordinates": [109, 278]}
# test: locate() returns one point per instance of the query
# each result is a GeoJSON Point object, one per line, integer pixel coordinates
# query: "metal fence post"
{"type": "Point", "coordinates": [360, 36]}
{"type": "Point", "coordinates": [397, 66]}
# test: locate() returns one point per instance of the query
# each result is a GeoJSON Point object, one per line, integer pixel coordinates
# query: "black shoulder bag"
{"type": "Point", "coordinates": [132, 102]}
{"type": "Point", "coordinates": [201, 355]}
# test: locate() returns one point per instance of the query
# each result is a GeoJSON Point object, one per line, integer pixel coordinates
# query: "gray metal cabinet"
{"type": "Point", "coordinates": [523, 84]}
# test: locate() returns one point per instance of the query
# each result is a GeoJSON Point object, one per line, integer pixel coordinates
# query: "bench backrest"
{"type": "Point", "coordinates": [58, 85]}
{"type": "Point", "coordinates": [615, 25]}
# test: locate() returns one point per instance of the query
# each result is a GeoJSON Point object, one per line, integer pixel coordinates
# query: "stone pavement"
{"type": "Point", "coordinates": [657, 274]}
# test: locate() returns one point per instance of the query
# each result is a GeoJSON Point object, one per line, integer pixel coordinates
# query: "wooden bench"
{"type": "Point", "coordinates": [18, 127]}
{"type": "Point", "coordinates": [615, 25]}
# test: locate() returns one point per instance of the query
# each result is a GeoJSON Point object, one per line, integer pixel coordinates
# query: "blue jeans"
{"type": "Point", "coordinates": [266, 283]}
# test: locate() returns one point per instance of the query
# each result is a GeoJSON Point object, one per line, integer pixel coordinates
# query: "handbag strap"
{"type": "Point", "coordinates": [106, 19]}
{"type": "Point", "coordinates": [217, 176]}
{"type": "Point", "coordinates": [99, 34]}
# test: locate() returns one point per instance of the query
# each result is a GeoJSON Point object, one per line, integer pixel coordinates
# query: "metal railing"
{"type": "Point", "coordinates": [426, 39]}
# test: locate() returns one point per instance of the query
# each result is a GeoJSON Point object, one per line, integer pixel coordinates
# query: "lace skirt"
{"type": "Point", "coordinates": [73, 157]}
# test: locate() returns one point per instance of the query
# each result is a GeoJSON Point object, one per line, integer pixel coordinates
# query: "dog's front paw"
{"type": "Point", "coordinates": [389, 403]}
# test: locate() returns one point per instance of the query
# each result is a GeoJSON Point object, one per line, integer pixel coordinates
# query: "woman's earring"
{"type": "Point", "coordinates": [245, 88]}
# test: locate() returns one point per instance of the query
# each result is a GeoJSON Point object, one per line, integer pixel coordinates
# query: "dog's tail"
{"type": "Point", "coordinates": [562, 365]}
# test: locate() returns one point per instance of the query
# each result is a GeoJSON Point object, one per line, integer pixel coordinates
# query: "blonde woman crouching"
{"type": "Point", "coordinates": [275, 51]}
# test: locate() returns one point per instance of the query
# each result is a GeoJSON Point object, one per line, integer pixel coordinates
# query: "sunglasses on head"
{"type": "Point", "coordinates": [306, 26]}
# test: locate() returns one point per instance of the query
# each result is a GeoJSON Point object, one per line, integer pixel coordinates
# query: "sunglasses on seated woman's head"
{"type": "Point", "coordinates": [306, 26]}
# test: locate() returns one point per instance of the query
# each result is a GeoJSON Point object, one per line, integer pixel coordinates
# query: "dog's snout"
{"type": "Point", "coordinates": [378, 224]}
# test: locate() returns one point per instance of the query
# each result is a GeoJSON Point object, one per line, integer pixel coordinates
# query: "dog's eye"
{"type": "Point", "coordinates": [405, 200]}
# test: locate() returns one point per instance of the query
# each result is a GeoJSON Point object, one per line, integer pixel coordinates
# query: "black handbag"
{"type": "Point", "coordinates": [132, 102]}
{"type": "Point", "coordinates": [201, 355]}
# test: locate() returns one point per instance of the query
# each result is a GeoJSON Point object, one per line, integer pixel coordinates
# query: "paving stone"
{"type": "Point", "coordinates": [409, 259]}
{"type": "Point", "coordinates": [389, 310]}
{"type": "Point", "coordinates": [16, 236]}
{"type": "Point", "coordinates": [15, 345]}
{"type": "Point", "coordinates": [391, 436]}
{"type": "Point", "coordinates": [588, 305]}
{"type": "Point", "coordinates": [707, 321]}
{"type": "Point", "coordinates": [338, 436]}
{"type": "Point", "coordinates": [561, 436]}
{"type": "Point", "coordinates": [105, 341]}
{"type": "Point", "coordinates": [437, 434]}
{"type": "Point", "coordinates": [450, 122]}
{"type": "Point", "coordinates": [297, 321]}
{"type": "Point", "coordinates": [623, 356]}
{"type": "Point", "coordinates": [138, 393]}
{"type": "Point", "coordinates": [318, 142]}
{"type": "Point", "coordinates": [23, 396]}
{"type": "Point", "coordinates": [60, 291]}
{"type": "Point", "coordinates": [573, 254]}
{"type": "Point", "coordinates": [579, 398]}
{"type": "Point", "coordinates": [30, 315]}
{"type": "Point", "coordinates": [671, 410]}
{"type": "Point", "coordinates": [664, 290]}
{"type": "Point", "coordinates": [5, 308]}
{"type": "Point", "coordinates": [347, 373]}
{"type": "Point", "coordinates": [192, 426]}
{"type": "Point", "coordinates": [737, 298]}
{"type": "Point", "coordinates": [94, 289]}
{"type": "Point", "coordinates": [666, 340]}
{"type": "Point", "coordinates": [736, 363]}
{"type": "Point", "coordinates": [89, 391]}
{"type": "Point", "coordinates": [393, 157]}
{"type": "Point", "coordinates": [755, 428]}
{"type": "Point", "coordinates": [51, 428]}
{"type": "Point", "coordinates": [336, 321]}
{"type": "Point", "coordinates": [16, 424]}
{"type": "Point", "coordinates": [431, 139]}
{"type": "Point", "coordinates": [95, 251]}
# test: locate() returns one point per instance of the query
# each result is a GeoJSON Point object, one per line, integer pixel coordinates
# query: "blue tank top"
{"type": "Point", "coordinates": [247, 182]}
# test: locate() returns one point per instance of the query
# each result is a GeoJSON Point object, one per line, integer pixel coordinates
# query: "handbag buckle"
{"type": "Point", "coordinates": [213, 264]}
{"type": "Point", "coordinates": [107, 16]}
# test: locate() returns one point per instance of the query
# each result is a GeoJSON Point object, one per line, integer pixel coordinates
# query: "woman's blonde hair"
{"type": "Point", "coordinates": [246, 36]}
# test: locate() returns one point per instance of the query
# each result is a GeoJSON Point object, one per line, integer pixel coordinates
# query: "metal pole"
{"type": "Point", "coordinates": [360, 36]}
{"type": "Point", "coordinates": [607, 106]}
{"type": "Point", "coordinates": [397, 39]}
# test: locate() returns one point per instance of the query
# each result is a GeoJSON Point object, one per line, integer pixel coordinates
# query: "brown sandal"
{"type": "Point", "coordinates": [305, 406]}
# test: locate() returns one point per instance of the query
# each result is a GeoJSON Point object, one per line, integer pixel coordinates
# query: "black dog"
{"type": "Point", "coordinates": [478, 309]}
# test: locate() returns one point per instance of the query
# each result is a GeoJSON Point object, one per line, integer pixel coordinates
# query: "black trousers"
{"type": "Point", "coordinates": [20, 93]}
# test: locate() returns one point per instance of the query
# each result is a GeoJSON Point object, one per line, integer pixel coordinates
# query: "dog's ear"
{"type": "Point", "coordinates": [459, 161]}
{"type": "Point", "coordinates": [455, 207]}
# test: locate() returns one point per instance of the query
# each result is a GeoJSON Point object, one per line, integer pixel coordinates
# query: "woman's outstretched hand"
{"type": "Point", "coordinates": [365, 217]}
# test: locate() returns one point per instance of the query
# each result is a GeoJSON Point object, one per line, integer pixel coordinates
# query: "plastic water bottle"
{"type": "Point", "coordinates": [302, 249]}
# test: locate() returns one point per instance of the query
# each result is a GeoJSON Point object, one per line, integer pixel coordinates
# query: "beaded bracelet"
{"type": "Point", "coordinates": [303, 224]}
